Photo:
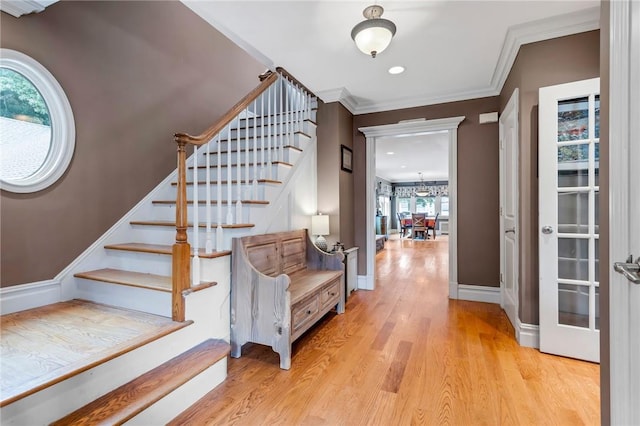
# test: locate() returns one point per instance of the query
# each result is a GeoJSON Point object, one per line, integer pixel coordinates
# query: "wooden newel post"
{"type": "Point", "coordinates": [181, 274]}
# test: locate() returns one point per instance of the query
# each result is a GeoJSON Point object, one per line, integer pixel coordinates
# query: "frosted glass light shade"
{"type": "Point", "coordinates": [320, 224]}
{"type": "Point", "coordinates": [373, 35]}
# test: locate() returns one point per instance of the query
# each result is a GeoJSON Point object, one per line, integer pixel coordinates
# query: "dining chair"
{"type": "Point", "coordinates": [432, 226]}
{"type": "Point", "coordinates": [404, 225]}
{"type": "Point", "coordinates": [418, 225]}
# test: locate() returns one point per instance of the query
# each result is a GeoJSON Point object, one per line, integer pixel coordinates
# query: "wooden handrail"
{"type": "Point", "coordinates": [181, 250]}
{"type": "Point", "coordinates": [206, 136]}
{"type": "Point", "coordinates": [286, 73]}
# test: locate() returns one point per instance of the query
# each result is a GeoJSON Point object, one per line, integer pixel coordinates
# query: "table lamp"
{"type": "Point", "coordinates": [320, 227]}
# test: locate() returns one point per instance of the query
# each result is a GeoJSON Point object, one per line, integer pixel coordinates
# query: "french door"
{"type": "Point", "coordinates": [569, 162]}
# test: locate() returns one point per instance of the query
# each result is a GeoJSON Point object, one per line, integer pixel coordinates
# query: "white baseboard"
{"type": "Point", "coordinates": [365, 282]}
{"type": "Point", "coordinates": [27, 296]}
{"type": "Point", "coordinates": [479, 293]}
{"type": "Point", "coordinates": [453, 289]}
{"type": "Point", "coordinates": [528, 335]}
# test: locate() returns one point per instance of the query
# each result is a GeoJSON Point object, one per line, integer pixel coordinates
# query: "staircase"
{"type": "Point", "coordinates": [252, 172]}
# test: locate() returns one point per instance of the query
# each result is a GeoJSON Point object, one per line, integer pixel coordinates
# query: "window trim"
{"type": "Point", "coordinates": [63, 130]}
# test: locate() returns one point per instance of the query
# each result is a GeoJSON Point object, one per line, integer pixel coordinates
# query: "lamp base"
{"type": "Point", "coordinates": [321, 243]}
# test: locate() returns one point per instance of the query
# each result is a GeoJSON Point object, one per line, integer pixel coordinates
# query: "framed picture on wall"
{"type": "Point", "coordinates": [347, 159]}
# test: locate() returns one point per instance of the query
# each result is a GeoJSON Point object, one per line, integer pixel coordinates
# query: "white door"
{"type": "Point", "coordinates": [569, 162]}
{"type": "Point", "coordinates": [509, 208]}
{"type": "Point", "coordinates": [624, 201]}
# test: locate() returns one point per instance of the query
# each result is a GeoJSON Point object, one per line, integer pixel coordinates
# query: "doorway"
{"type": "Point", "coordinates": [399, 130]}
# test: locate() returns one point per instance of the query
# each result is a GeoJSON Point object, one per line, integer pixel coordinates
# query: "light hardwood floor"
{"type": "Point", "coordinates": [405, 354]}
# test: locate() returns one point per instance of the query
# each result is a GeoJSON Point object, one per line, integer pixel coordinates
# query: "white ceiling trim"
{"type": "Point", "coordinates": [518, 35]}
{"type": "Point", "coordinates": [544, 29]}
{"type": "Point", "coordinates": [18, 8]}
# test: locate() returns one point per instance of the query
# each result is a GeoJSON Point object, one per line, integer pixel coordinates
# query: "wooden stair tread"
{"type": "Point", "coordinates": [213, 166]}
{"type": "Point", "coordinates": [80, 334]}
{"type": "Point", "coordinates": [130, 399]}
{"type": "Point", "coordinates": [233, 151]}
{"type": "Point", "coordinates": [255, 202]}
{"type": "Point", "coordinates": [202, 225]}
{"type": "Point", "coordinates": [162, 249]}
{"type": "Point", "coordinates": [130, 278]}
{"type": "Point", "coordinates": [233, 182]}
{"type": "Point", "coordinates": [137, 279]}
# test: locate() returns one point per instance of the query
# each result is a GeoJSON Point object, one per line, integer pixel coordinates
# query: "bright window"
{"type": "Point", "coordinates": [444, 206]}
{"type": "Point", "coordinates": [37, 130]}
{"type": "Point", "coordinates": [426, 205]}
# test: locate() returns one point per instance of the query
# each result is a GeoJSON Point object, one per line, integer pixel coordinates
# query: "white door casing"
{"type": "Point", "coordinates": [624, 202]}
{"type": "Point", "coordinates": [407, 129]}
{"type": "Point", "coordinates": [568, 153]}
{"type": "Point", "coordinates": [509, 244]}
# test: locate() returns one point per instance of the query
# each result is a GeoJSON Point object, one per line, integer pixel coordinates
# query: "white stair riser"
{"type": "Point", "coordinates": [250, 212]}
{"type": "Point", "coordinates": [159, 264]}
{"type": "Point", "coordinates": [287, 154]}
{"type": "Point", "coordinates": [307, 127]}
{"type": "Point", "coordinates": [123, 296]}
{"type": "Point", "coordinates": [169, 407]}
{"type": "Point", "coordinates": [263, 191]}
{"type": "Point", "coordinates": [278, 172]}
{"type": "Point", "coordinates": [167, 235]}
{"type": "Point", "coordinates": [298, 140]}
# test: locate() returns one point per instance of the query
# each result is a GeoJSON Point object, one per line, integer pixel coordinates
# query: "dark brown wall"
{"type": "Point", "coordinates": [335, 186]}
{"type": "Point", "coordinates": [537, 65]}
{"type": "Point", "coordinates": [605, 365]}
{"type": "Point", "coordinates": [478, 189]}
{"type": "Point", "coordinates": [135, 73]}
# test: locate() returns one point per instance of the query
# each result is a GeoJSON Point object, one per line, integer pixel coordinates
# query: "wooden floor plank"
{"type": "Point", "coordinates": [464, 366]}
{"type": "Point", "coordinates": [44, 346]}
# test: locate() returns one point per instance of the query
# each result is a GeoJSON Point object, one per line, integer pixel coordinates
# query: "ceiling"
{"type": "Point", "coordinates": [452, 50]}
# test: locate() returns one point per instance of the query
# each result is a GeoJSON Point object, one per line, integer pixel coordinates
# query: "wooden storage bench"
{"type": "Point", "coordinates": [281, 285]}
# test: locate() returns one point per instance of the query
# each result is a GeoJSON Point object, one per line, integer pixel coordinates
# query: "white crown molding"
{"type": "Point", "coordinates": [200, 9]}
{"type": "Point", "coordinates": [341, 95]}
{"type": "Point", "coordinates": [18, 8]}
{"type": "Point", "coordinates": [543, 29]}
{"type": "Point", "coordinates": [518, 35]}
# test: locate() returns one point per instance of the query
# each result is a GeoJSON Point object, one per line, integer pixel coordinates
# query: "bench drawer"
{"type": "Point", "coordinates": [330, 295]}
{"type": "Point", "coordinates": [304, 311]}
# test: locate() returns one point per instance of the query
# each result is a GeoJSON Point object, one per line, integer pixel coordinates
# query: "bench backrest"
{"type": "Point", "coordinates": [277, 253]}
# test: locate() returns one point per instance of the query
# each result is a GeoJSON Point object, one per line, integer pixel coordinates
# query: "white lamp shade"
{"type": "Point", "coordinates": [373, 39]}
{"type": "Point", "coordinates": [320, 224]}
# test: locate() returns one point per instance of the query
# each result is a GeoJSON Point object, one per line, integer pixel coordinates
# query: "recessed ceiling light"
{"type": "Point", "coordinates": [390, 153]}
{"type": "Point", "coordinates": [396, 70]}
{"type": "Point", "coordinates": [403, 167]}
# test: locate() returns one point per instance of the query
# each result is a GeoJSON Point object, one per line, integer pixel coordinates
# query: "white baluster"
{"type": "Point", "coordinates": [195, 266]}
{"type": "Point", "coordinates": [208, 245]}
{"type": "Point", "coordinates": [269, 134]}
{"type": "Point", "coordinates": [263, 118]}
{"type": "Point", "coordinates": [255, 152]}
{"type": "Point", "coordinates": [283, 118]}
{"type": "Point", "coordinates": [239, 172]}
{"type": "Point", "coordinates": [219, 230]}
{"type": "Point", "coordinates": [229, 179]}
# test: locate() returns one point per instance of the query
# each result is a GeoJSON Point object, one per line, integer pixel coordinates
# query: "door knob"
{"type": "Point", "coordinates": [547, 229]}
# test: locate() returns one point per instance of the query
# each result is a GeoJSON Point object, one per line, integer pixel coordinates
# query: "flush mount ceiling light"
{"type": "Point", "coordinates": [374, 34]}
